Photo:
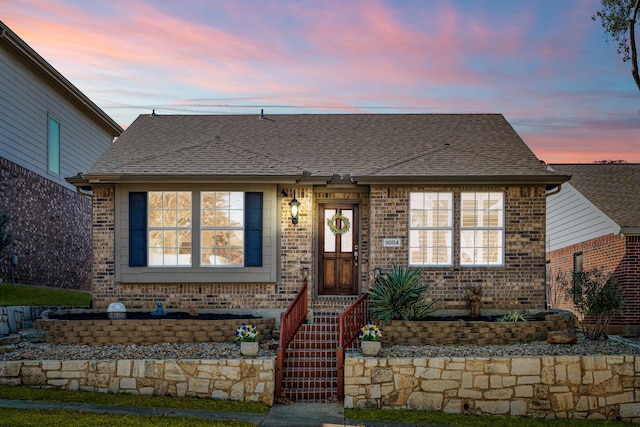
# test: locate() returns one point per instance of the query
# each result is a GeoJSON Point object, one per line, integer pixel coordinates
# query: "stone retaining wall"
{"type": "Point", "coordinates": [15, 318]}
{"type": "Point", "coordinates": [399, 332]}
{"type": "Point", "coordinates": [147, 332]}
{"type": "Point", "coordinates": [250, 380]}
{"type": "Point", "coordinates": [586, 387]}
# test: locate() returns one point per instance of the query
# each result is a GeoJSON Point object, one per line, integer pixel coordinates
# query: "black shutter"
{"type": "Point", "coordinates": [253, 229]}
{"type": "Point", "coordinates": [137, 229]}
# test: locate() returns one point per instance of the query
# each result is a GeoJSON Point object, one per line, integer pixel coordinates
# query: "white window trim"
{"type": "Point", "coordinates": [500, 228]}
{"type": "Point", "coordinates": [450, 228]}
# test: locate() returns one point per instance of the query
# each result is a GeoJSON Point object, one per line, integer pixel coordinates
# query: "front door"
{"type": "Point", "coordinates": [338, 249]}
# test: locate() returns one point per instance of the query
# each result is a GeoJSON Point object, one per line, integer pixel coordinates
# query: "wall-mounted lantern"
{"type": "Point", "coordinates": [305, 273]}
{"type": "Point", "coordinates": [294, 204]}
{"type": "Point", "coordinates": [377, 272]}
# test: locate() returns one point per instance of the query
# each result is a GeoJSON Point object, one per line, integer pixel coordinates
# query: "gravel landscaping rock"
{"type": "Point", "coordinates": [210, 350]}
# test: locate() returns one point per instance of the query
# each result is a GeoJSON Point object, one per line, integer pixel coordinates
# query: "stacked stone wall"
{"type": "Point", "coordinates": [399, 332]}
{"type": "Point", "coordinates": [584, 387]}
{"type": "Point", "coordinates": [249, 380]}
{"type": "Point", "coordinates": [148, 332]}
{"type": "Point", "coordinates": [51, 230]}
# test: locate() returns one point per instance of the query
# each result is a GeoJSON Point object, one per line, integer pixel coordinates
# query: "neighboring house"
{"type": "Point", "coordinates": [195, 210]}
{"type": "Point", "coordinates": [49, 130]}
{"type": "Point", "coordinates": [594, 222]}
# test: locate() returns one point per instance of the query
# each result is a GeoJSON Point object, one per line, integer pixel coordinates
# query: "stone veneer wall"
{"type": "Point", "coordinates": [398, 332]}
{"type": "Point", "coordinates": [148, 332]}
{"type": "Point", "coordinates": [518, 285]}
{"type": "Point", "coordinates": [586, 387]}
{"type": "Point", "coordinates": [250, 380]}
{"type": "Point", "coordinates": [51, 228]}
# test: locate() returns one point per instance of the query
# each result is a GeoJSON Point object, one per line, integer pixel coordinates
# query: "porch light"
{"type": "Point", "coordinates": [377, 272]}
{"type": "Point", "coordinates": [305, 273]}
{"type": "Point", "coordinates": [294, 204]}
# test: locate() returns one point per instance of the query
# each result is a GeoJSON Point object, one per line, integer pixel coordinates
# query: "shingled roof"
{"type": "Point", "coordinates": [613, 188]}
{"type": "Point", "coordinates": [365, 148]}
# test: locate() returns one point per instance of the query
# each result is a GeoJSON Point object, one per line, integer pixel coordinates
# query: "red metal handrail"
{"type": "Point", "coordinates": [349, 324]}
{"type": "Point", "coordinates": [290, 322]}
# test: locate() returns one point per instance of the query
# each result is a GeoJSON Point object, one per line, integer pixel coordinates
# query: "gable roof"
{"type": "Point", "coordinates": [362, 148]}
{"type": "Point", "coordinates": [29, 57]}
{"type": "Point", "coordinates": [612, 188]}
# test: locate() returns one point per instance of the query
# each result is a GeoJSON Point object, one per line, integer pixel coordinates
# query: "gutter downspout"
{"type": "Point", "coordinates": [556, 191]}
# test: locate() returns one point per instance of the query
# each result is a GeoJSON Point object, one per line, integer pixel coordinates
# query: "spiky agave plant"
{"type": "Point", "coordinates": [399, 295]}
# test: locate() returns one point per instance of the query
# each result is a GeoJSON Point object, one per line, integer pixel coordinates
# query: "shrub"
{"type": "Point", "coordinates": [399, 295]}
{"type": "Point", "coordinates": [597, 298]}
{"type": "Point", "coordinates": [514, 316]}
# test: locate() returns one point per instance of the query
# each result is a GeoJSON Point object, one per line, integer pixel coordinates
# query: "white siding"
{"type": "Point", "coordinates": [26, 102]}
{"type": "Point", "coordinates": [572, 219]}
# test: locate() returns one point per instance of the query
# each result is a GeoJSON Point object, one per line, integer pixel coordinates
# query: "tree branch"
{"type": "Point", "coordinates": [632, 42]}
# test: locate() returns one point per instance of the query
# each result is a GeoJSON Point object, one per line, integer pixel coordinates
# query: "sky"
{"type": "Point", "coordinates": [543, 64]}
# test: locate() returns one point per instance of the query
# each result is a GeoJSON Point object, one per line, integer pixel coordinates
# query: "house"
{"type": "Point", "coordinates": [232, 212]}
{"type": "Point", "coordinates": [593, 222]}
{"type": "Point", "coordinates": [49, 130]}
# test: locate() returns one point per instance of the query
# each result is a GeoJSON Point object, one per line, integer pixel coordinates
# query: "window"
{"type": "Point", "coordinates": [170, 228]}
{"type": "Point", "coordinates": [195, 229]}
{"type": "Point", "coordinates": [577, 262]}
{"type": "Point", "coordinates": [222, 228]}
{"type": "Point", "coordinates": [481, 228]}
{"type": "Point", "coordinates": [431, 228]}
{"type": "Point", "coordinates": [53, 147]}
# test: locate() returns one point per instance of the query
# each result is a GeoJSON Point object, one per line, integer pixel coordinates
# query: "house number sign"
{"type": "Point", "coordinates": [392, 243]}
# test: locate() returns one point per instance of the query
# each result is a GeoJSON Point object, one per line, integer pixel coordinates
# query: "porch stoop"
{"type": "Point", "coordinates": [310, 368]}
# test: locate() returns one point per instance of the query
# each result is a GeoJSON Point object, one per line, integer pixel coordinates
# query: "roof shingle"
{"type": "Point", "coordinates": [365, 146]}
{"type": "Point", "coordinates": [613, 188]}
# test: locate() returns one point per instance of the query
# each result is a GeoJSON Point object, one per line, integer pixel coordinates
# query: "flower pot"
{"type": "Point", "coordinates": [371, 348]}
{"type": "Point", "coordinates": [249, 348]}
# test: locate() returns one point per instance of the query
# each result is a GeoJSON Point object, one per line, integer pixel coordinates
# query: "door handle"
{"type": "Point", "coordinates": [355, 253]}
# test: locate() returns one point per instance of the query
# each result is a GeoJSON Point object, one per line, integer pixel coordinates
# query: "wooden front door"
{"type": "Point", "coordinates": [338, 249]}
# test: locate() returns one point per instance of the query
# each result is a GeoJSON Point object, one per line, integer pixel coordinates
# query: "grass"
{"type": "Point", "coordinates": [123, 399]}
{"type": "Point", "coordinates": [56, 418]}
{"type": "Point", "coordinates": [11, 417]}
{"type": "Point", "coordinates": [23, 417]}
{"type": "Point", "coordinates": [14, 294]}
{"type": "Point", "coordinates": [439, 418]}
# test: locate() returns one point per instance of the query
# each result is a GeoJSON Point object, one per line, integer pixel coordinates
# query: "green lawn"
{"type": "Point", "coordinates": [21, 417]}
{"type": "Point", "coordinates": [123, 399]}
{"type": "Point", "coordinates": [57, 418]}
{"type": "Point", "coordinates": [442, 419]}
{"type": "Point", "coordinates": [14, 294]}
{"type": "Point", "coordinates": [66, 418]}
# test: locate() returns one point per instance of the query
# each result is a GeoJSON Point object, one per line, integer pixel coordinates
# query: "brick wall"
{"type": "Point", "coordinates": [519, 284]}
{"type": "Point", "coordinates": [51, 227]}
{"type": "Point", "coordinates": [613, 253]}
{"type": "Point", "coordinates": [384, 213]}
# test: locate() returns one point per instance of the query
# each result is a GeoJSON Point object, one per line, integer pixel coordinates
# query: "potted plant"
{"type": "Point", "coordinates": [248, 337]}
{"type": "Point", "coordinates": [370, 339]}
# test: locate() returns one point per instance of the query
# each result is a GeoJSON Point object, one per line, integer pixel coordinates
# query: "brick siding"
{"type": "Point", "coordinates": [383, 213]}
{"type": "Point", "coordinates": [613, 253]}
{"type": "Point", "coordinates": [51, 228]}
{"type": "Point", "coordinates": [519, 284]}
